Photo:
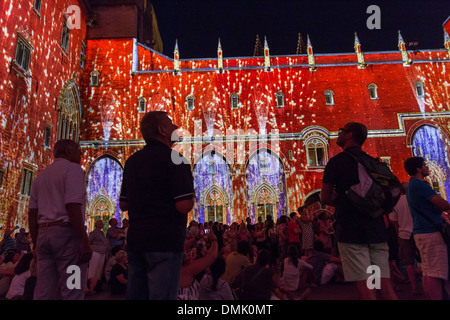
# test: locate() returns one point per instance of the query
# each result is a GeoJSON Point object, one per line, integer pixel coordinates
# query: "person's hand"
{"type": "Point", "coordinates": [446, 217]}
{"type": "Point", "coordinates": [85, 251]}
{"type": "Point", "coordinates": [211, 235]}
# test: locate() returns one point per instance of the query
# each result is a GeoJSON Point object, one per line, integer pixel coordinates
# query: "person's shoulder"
{"type": "Point", "coordinates": [135, 156]}
{"type": "Point", "coordinates": [418, 185]}
{"type": "Point", "coordinates": [337, 159]}
{"type": "Point", "coordinates": [74, 168]}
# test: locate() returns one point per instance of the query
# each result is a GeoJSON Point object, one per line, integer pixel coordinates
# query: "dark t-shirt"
{"type": "Point", "coordinates": [115, 285]}
{"type": "Point", "coordinates": [258, 282]}
{"type": "Point", "coordinates": [152, 184]}
{"type": "Point", "coordinates": [318, 260]}
{"type": "Point", "coordinates": [351, 226]}
{"type": "Point", "coordinates": [418, 195]}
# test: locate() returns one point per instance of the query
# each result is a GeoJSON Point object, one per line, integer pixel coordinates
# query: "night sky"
{"type": "Point", "coordinates": [198, 24]}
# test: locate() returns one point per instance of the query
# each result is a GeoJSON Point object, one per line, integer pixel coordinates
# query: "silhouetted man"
{"type": "Point", "coordinates": [362, 240]}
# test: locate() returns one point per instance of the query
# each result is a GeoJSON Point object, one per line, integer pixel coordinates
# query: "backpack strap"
{"type": "Point", "coordinates": [357, 159]}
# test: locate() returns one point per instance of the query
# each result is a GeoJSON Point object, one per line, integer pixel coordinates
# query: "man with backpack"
{"type": "Point", "coordinates": [362, 238]}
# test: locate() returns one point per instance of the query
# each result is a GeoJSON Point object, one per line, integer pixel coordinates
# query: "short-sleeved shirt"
{"type": "Point", "coordinates": [292, 234]}
{"type": "Point", "coordinates": [116, 286]}
{"type": "Point", "coordinates": [98, 241]}
{"type": "Point", "coordinates": [60, 183]}
{"type": "Point", "coordinates": [418, 195]}
{"type": "Point", "coordinates": [258, 282]}
{"type": "Point", "coordinates": [152, 184]}
{"type": "Point", "coordinates": [351, 226]}
{"type": "Point", "coordinates": [113, 241]}
{"type": "Point", "coordinates": [318, 260]}
{"type": "Point", "coordinates": [402, 215]}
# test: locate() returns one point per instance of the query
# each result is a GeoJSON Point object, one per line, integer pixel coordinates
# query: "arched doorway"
{"type": "Point", "coordinates": [215, 201]}
{"type": "Point", "coordinates": [265, 200]}
{"type": "Point", "coordinates": [431, 143]}
{"type": "Point", "coordinates": [212, 184]}
{"type": "Point", "coordinates": [266, 185]}
{"type": "Point", "coordinates": [69, 112]}
{"type": "Point", "coordinates": [104, 180]}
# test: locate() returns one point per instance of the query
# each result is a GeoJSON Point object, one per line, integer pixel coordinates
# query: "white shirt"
{"type": "Point", "coordinates": [60, 183]}
{"type": "Point", "coordinates": [291, 274]}
{"type": "Point", "coordinates": [402, 214]}
{"type": "Point", "coordinates": [17, 286]}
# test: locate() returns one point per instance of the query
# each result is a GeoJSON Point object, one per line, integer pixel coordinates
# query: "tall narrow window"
{"type": "Point", "coordinates": [82, 55]}
{"type": "Point", "coordinates": [142, 105]}
{"type": "Point", "coordinates": [279, 97]}
{"type": "Point", "coordinates": [69, 114]}
{"type": "Point", "coordinates": [37, 5]}
{"type": "Point", "coordinates": [315, 155]}
{"type": "Point", "coordinates": [420, 90]}
{"type": "Point", "coordinates": [234, 99]}
{"type": "Point", "coordinates": [212, 168]}
{"type": "Point", "coordinates": [27, 178]}
{"type": "Point", "coordinates": [65, 37]}
{"type": "Point", "coordinates": [47, 136]}
{"type": "Point", "coordinates": [190, 102]}
{"type": "Point", "coordinates": [23, 53]}
{"type": "Point", "coordinates": [373, 91]}
{"type": "Point", "coordinates": [316, 150]}
{"type": "Point", "coordinates": [2, 177]}
{"type": "Point", "coordinates": [291, 155]}
{"type": "Point", "coordinates": [264, 165]}
{"type": "Point", "coordinates": [329, 97]}
{"type": "Point", "coordinates": [94, 76]}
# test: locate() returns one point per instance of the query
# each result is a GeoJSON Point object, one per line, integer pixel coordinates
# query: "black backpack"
{"type": "Point", "coordinates": [378, 190]}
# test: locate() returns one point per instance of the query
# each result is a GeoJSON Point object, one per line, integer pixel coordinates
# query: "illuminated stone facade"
{"type": "Point", "coordinates": [272, 124]}
{"type": "Point", "coordinates": [41, 68]}
{"type": "Point", "coordinates": [257, 131]}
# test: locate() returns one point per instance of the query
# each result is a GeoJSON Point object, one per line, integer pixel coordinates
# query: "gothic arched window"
{"type": "Point", "coordinates": [373, 91]}
{"type": "Point", "coordinates": [279, 97]}
{"type": "Point", "coordinates": [329, 97]}
{"type": "Point", "coordinates": [94, 77]}
{"type": "Point", "coordinates": [316, 150]}
{"type": "Point", "coordinates": [234, 99]}
{"type": "Point", "coordinates": [69, 113]}
{"type": "Point", "coordinates": [190, 102]}
{"type": "Point", "coordinates": [420, 89]}
{"type": "Point", "coordinates": [142, 105]}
